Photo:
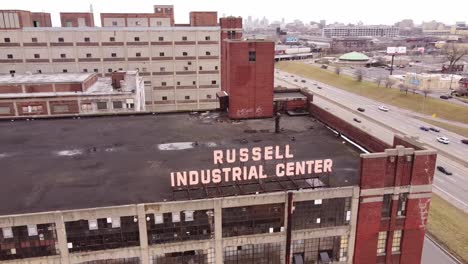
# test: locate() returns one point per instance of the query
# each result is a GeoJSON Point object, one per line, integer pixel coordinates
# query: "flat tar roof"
{"type": "Point", "coordinates": [44, 78]}
{"type": "Point", "coordinates": [66, 164]}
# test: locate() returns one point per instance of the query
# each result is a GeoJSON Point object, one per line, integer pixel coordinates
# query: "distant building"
{"type": "Point", "coordinates": [360, 31]}
{"type": "Point", "coordinates": [348, 44]}
{"type": "Point", "coordinates": [77, 19]}
{"type": "Point", "coordinates": [65, 94]}
{"type": "Point", "coordinates": [432, 82]}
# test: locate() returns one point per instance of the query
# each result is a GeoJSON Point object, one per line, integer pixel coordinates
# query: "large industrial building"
{"type": "Point", "coordinates": [180, 63]}
{"type": "Point", "coordinates": [269, 178]}
{"type": "Point", "coordinates": [361, 31]}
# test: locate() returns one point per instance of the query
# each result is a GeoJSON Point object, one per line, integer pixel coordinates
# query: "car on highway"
{"type": "Point", "coordinates": [444, 170]}
{"type": "Point", "coordinates": [434, 129]}
{"type": "Point", "coordinates": [360, 109]}
{"type": "Point", "coordinates": [356, 120]}
{"type": "Point", "coordinates": [295, 80]}
{"type": "Point", "coordinates": [315, 83]}
{"type": "Point", "coordinates": [464, 141]}
{"type": "Point", "coordinates": [383, 108]}
{"type": "Point", "coordinates": [319, 87]}
{"type": "Point", "coordinates": [444, 97]}
{"type": "Point", "coordinates": [303, 81]}
{"type": "Point", "coordinates": [423, 128]}
{"type": "Point", "coordinates": [443, 140]}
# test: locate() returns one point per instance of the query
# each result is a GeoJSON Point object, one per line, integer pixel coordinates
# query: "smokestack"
{"type": "Point", "coordinates": [277, 122]}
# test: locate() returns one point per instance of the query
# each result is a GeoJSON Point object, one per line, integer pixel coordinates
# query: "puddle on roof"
{"type": "Point", "coordinates": [185, 145]}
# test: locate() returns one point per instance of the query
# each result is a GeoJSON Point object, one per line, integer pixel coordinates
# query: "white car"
{"type": "Point", "coordinates": [443, 140]}
{"type": "Point", "coordinates": [383, 108]}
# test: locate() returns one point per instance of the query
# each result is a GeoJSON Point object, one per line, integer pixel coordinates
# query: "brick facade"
{"type": "Point", "coordinates": [203, 19]}
{"type": "Point", "coordinates": [77, 19]}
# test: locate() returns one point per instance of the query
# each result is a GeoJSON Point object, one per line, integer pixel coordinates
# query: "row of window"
{"type": "Point", "coordinates": [187, 97]}
{"type": "Point", "coordinates": [111, 39]}
{"type": "Point", "coordinates": [382, 242]}
{"type": "Point", "coordinates": [90, 55]}
{"type": "Point", "coordinates": [387, 205]}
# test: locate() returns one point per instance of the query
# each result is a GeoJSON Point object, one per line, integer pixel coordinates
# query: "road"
{"type": "Point", "coordinates": [383, 125]}
{"type": "Point", "coordinates": [432, 254]}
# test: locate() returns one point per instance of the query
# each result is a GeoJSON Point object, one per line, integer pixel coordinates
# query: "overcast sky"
{"type": "Point", "coordinates": [346, 11]}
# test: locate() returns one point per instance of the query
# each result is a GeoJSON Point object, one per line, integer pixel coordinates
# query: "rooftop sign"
{"type": "Point", "coordinates": [396, 50]}
{"type": "Point", "coordinates": [228, 171]}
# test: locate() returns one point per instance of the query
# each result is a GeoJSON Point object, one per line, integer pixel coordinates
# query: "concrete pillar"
{"type": "Point", "coordinates": [61, 238]}
{"type": "Point", "coordinates": [143, 234]}
{"type": "Point", "coordinates": [353, 223]}
{"type": "Point", "coordinates": [218, 223]}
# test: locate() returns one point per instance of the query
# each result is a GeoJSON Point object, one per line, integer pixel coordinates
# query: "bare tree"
{"type": "Point", "coordinates": [337, 70]}
{"type": "Point", "coordinates": [453, 53]}
{"type": "Point", "coordinates": [403, 88]}
{"type": "Point", "coordinates": [380, 80]}
{"type": "Point", "coordinates": [359, 75]}
{"type": "Point", "coordinates": [426, 91]}
{"type": "Point", "coordinates": [389, 82]}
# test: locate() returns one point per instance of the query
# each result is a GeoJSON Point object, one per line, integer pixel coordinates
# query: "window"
{"type": "Point", "coordinates": [161, 54]}
{"type": "Point", "coordinates": [200, 68]}
{"type": "Point", "coordinates": [60, 40]}
{"type": "Point", "coordinates": [396, 242]}
{"type": "Point", "coordinates": [208, 96]}
{"type": "Point", "coordinates": [112, 39]}
{"type": "Point", "coordinates": [109, 70]}
{"type": "Point", "coordinates": [207, 38]}
{"type": "Point", "coordinates": [178, 83]}
{"type": "Point", "coordinates": [86, 39]}
{"type": "Point", "coordinates": [101, 105]}
{"type": "Point", "coordinates": [138, 54]}
{"type": "Point", "coordinates": [117, 105]}
{"type": "Point", "coordinates": [34, 40]}
{"type": "Point", "coordinates": [163, 84]}
{"type": "Point", "coordinates": [343, 248]}
{"type": "Point", "coordinates": [381, 242]}
{"type": "Point", "coordinates": [7, 40]}
{"type": "Point", "coordinates": [88, 55]}
{"type": "Point", "coordinates": [184, 53]}
{"type": "Point", "coordinates": [161, 38]}
{"type": "Point", "coordinates": [114, 23]}
{"type": "Point", "coordinates": [5, 110]}
{"type": "Point", "coordinates": [187, 97]}
{"type": "Point", "coordinates": [252, 56]}
{"type": "Point", "coordinates": [189, 63]}
{"type": "Point", "coordinates": [96, 70]}
{"type": "Point", "coordinates": [208, 53]}
{"type": "Point", "coordinates": [10, 56]}
{"type": "Point", "coordinates": [12, 71]}
{"type": "Point", "coordinates": [213, 82]}
{"type": "Point", "coordinates": [39, 71]}
{"type": "Point", "coordinates": [194, 82]}
{"type": "Point", "coordinates": [137, 38]}
{"type": "Point", "coordinates": [85, 70]}
{"type": "Point", "coordinates": [184, 38]}
{"type": "Point", "coordinates": [386, 205]}
{"type": "Point", "coordinates": [37, 56]}
{"type": "Point", "coordinates": [216, 67]}
{"type": "Point", "coordinates": [164, 98]}
{"type": "Point", "coordinates": [401, 211]}
{"type": "Point", "coordinates": [63, 55]}
{"type": "Point", "coordinates": [137, 23]}
{"type": "Point", "coordinates": [162, 69]}
{"type": "Point", "coordinates": [87, 107]}
{"type": "Point", "coordinates": [32, 109]}
{"type": "Point", "coordinates": [113, 54]}
{"type": "Point", "coordinates": [158, 23]}
{"type": "Point", "coordinates": [185, 68]}
{"type": "Point", "coordinates": [64, 70]}
{"type": "Point", "coordinates": [61, 108]}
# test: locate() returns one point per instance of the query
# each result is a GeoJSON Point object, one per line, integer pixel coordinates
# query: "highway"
{"type": "Point", "coordinates": [433, 254]}
{"type": "Point", "coordinates": [384, 125]}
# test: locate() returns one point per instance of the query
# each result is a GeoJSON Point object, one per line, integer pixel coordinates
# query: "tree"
{"type": "Point", "coordinates": [359, 75]}
{"type": "Point", "coordinates": [426, 91]}
{"type": "Point", "coordinates": [453, 53]}
{"type": "Point", "coordinates": [380, 80]}
{"type": "Point", "coordinates": [403, 88]}
{"type": "Point", "coordinates": [389, 82]}
{"type": "Point", "coordinates": [337, 70]}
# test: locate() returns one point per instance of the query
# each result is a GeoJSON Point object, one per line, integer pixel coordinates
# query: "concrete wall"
{"type": "Point", "coordinates": [217, 243]}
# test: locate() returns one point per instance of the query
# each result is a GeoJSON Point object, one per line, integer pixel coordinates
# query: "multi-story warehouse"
{"type": "Point", "coordinates": [360, 31]}
{"type": "Point", "coordinates": [180, 64]}
{"type": "Point", "coordinates": [137, 190]}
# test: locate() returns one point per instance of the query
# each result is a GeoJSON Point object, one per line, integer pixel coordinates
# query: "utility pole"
{"type": "Point", "coordinates": [391, 67]}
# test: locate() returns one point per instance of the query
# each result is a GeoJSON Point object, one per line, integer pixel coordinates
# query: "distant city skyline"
{"type": "Point", "coordinates": [348, 12]}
